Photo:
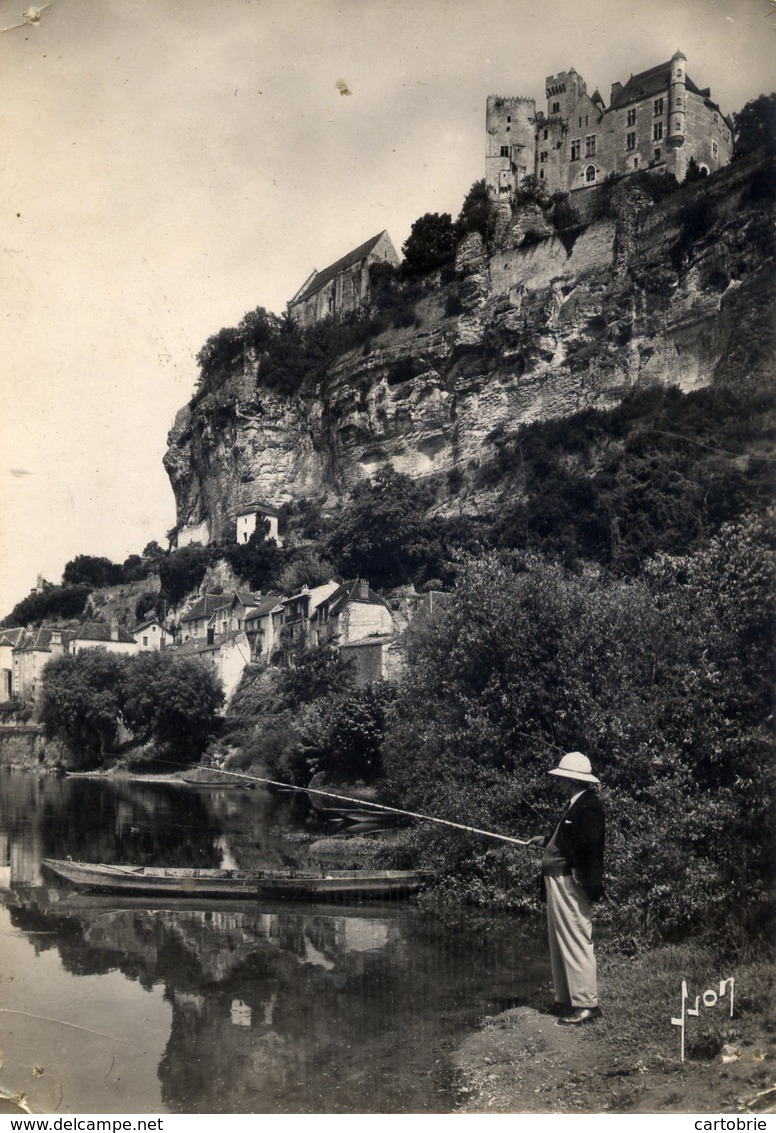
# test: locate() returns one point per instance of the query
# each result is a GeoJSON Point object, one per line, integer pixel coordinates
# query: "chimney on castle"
{"type": "Point", "coordinates": [616, 88]}
{"type": "Point", "coordinates": [114, 629]}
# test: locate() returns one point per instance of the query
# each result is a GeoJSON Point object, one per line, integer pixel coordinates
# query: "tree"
{"type": "Point", "coordinates": [755, 125]}
{"type": "Point", "coordinates": [383, 533]}
{"type": "Point", "coordinates": [257, 561]}
{"type": "Point", "coordinates": [342, 734]}
{"type": "Point", "coordinates": [183, 571]}
{"type": "Point", "coordinates": [93, 571]}
{"type": "Point", "coordinates": [80, 701]}
{"type": "Point", "coordinates": [479, 213]}
{"type": "Point", "coordinates": [430, 245]}
{"type": "Point", "coordinates": [50, 602]}
{"type": "Point", "coordinates": [171, 700]}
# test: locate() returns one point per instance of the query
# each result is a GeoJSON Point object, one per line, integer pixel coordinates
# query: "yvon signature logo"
{"type": "Point", "coordinates": [710, 998]}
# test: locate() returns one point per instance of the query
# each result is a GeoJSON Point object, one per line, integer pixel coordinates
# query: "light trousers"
{"type": "Point", "coordinates": [570, 930]}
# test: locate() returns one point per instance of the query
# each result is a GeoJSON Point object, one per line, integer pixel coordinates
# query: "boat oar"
{"type": "Point", "coordinates": [381, 806]}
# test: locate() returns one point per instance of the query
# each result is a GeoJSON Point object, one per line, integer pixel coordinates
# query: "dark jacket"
{"type": "Point", "coordinates": [580, 840]}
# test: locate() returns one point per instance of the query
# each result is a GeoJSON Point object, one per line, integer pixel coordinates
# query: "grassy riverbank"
{"type": "Point", "coordinates": [629, 1060]}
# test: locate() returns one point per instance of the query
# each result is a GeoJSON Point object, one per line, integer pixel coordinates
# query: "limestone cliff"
{"type": "Point", "coordinates": [679, 292]}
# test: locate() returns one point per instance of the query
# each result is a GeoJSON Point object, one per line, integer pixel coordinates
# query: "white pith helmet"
{"type": "Point", "coordinates": [575, 765]}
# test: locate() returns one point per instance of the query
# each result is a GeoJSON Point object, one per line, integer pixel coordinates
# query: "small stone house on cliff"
{"type": "Point", "coordinates": [10, 639]}
{"type": "Point", "coordinates": [151, 636]}
{"type": "Point", "coordinates": [343, 287]}
{"type": "Point", "coordinates": [658, 120]}
{"type": "Point", "coordinates": [250, 516]}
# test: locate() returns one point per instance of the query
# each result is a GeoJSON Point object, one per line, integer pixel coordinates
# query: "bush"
{"type": "Point", "coordinates": [182, 571]}
{"type": "Point", "coordinates": [50, 604]}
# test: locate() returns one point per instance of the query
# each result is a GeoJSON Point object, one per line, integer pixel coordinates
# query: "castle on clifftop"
{"type": "Point", "coordinates": [658, 120]}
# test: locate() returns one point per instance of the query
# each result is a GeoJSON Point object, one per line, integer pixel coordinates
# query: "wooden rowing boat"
{"type": "Point", "coordinates": [183, 882]}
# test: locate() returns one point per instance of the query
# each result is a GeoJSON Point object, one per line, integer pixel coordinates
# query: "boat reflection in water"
{"type": "Point", "coordinates": [254, 1007]}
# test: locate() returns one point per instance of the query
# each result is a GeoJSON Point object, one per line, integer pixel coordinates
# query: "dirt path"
{"type": "Point", "coordinates": [521, 1061]}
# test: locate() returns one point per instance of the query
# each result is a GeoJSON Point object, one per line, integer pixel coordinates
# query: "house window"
{"type": "Point", "coordinates": [556, 108]}
{"type": "Point", "coordinates": [576, 150]}
{"type": "Point", "coordinates": [590, 174]}
{"type": "Point", "coordinates": [245, 536]}
{"type": "Point", "coordinates": [504, 151]}
{"type": "Point", "coordinates": [630, 140]}
{"type": "Point", "coordinates": [590, 145]}
{"type": "Point", "coordinates": [145, 641]}
{"type": "Point", "coordinates": [543, 155]}
{"type": "Point", "coordinates": [657, 131]}
{"type": "Point", "coordinates": [635, 163]}
{"type": "Point", "coordinates": [658, 107]}
{"type": "Point", "coordinates": [632, 117]}
{"type": "Point", "coordinates": [546, 135]}
{"type": "Point", "coordinates": [509, 117]}
{"type": "Point", "coordinates": [580, 121]}
{"type": "Point", "coordinates": [541, 174]}
{"type": "Point", "coordinates": [657, 154]}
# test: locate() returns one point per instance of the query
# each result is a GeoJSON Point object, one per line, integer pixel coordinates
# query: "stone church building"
{"type": "Point", "coordinates": [342, 287]}
{"type": "Point", "coordinates": [658, 120]}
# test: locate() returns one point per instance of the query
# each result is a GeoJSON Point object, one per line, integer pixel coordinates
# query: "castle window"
{"type": "Point", "coordinates": [580, 122]}
{"type": "Point", "coordinates": [713, 149]}
{"type": "Point", "coordinates": [546, 135]}
{"type": "Point", "coordinates": [590, 174]}
{"type": "Point", "coordinates": [555, 108]}
{"type": "Point", "coordinates": [590, 145]}
{"type": "Point", "coordinates": [541, 174]}
{"type": "Point", "coordinates": [509, 117]}
{"type": "Point", "coordinates": [543, 155]}
{"type": "Point", "coordinates": [504, 151]}
{"type": "Point", "coordinates": [630, 140]}
{"type": "Point", "coordinates": [658, 107]}
{"type": "Point", "coordinates": [632, 117]}
{"type": "Point", "coordinates": [716, 119]}
{"type": "Point", "coordinates": [635, 163]}
{"type": "Point", "coordinates": [576, 149]}
{"type": "Point", "coordinates": [657, 154]}
{"type": "Point", "coordinates": [657, 131]}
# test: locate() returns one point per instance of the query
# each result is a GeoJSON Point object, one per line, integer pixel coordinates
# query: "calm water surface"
{"type": "Point", "coordinates": [131, 1005]}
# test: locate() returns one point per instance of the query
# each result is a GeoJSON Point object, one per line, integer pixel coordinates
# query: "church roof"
{"type": "Point", "coordinates": [646, 84]}
{"type": "Point", "coordinates": [321, 278]}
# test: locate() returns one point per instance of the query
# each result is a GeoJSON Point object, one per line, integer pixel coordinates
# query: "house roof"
{"type": "Point", "coordinates": [197, 645]}
{"type": "Point", "coordinates": [648, 83]}
{"type": "Point", "coordinates": [101, 631]}
{"type": "Point", "coordinates": [256, 506]}
{"type": "Point", "coordinates": [377, 639]}
{"type": "Point", "coordinates": [11, 636]}
{"type": "Point", "coordinates": [204, 607]}
{"type": "Point", "coordinates": [40, 639]}
{"type": "Point", "coordinates": [321, 278]}
{"type": "Point", "coordinates": [148, 624]}
{"type": "Point", "coordinates": [350, 592]}
{"type": "Point", "coordinates": [269, 602]}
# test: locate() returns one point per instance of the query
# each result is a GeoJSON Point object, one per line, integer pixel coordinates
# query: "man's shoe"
{"type": "Point", "coordinates": [579, 1015]}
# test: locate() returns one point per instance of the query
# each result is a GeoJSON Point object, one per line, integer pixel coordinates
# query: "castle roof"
{"type": "Point", "coordinates": [321, 278]}
{"type": "Point", "coordinates": [655, 81]}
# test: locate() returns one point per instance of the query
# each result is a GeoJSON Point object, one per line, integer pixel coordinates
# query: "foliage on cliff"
{"type": "Point", "coordinates": [663, 682]}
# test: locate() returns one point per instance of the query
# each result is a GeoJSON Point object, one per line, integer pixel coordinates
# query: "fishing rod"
{"type": "Point", "coordinates": [378, 806]}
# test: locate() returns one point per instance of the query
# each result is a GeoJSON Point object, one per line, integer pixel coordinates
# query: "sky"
{"type": "Point", "coordinates": [166, 167]}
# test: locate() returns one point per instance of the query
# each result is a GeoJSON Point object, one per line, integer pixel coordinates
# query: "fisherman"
{"type": "Point", "coordinates": [572, 877]}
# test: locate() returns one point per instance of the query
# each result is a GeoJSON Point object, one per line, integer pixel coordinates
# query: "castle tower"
{"type": "Point", "coordinates": [510, 144]}
{"type": "Point", "coordinates": [563, 92]}
{"type": "Point", "coordinates": [677, 100]}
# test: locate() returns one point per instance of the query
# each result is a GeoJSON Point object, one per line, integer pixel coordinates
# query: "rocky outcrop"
{"type": "Point", "coordinates": [679, 292]}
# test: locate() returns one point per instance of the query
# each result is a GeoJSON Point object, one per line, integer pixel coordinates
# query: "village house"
{"type": "Point", "coordinates": [259, 628]}
{"type": "Point", "coordinates": [35, 650]}
{"type": "Point", "coordinates": [379, 658]}
{"type": "Point", "coordinates": [194, 624]}
{"type": "Point", "coordinates": [660, 120]}
{"type": "Point", "coordinates": [152, 636]}
{"type": "Point", "coordinates": [112, 637]}
{"type": "Point", "coordinates": [291, 621]}
{"type": "Point", "coordinates": [231, 616]}
{"type": "Point", "coordinates": [344, 286]}
{"type": "Point", "coordinates": [349, 614]}
{"type": "Point", "coordinates": [9, 641]}
{"type": "Point", "coordinates": [250, 516]}
{"type": "Point", "coordinates": [228, 653]}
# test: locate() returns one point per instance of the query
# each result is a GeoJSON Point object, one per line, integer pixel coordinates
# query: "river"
{"type": "Point", "coordinates": [119, 1005]}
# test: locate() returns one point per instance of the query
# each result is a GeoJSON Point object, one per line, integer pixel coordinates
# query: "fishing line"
{"type": "Point", "coordinates": [377, 806]}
